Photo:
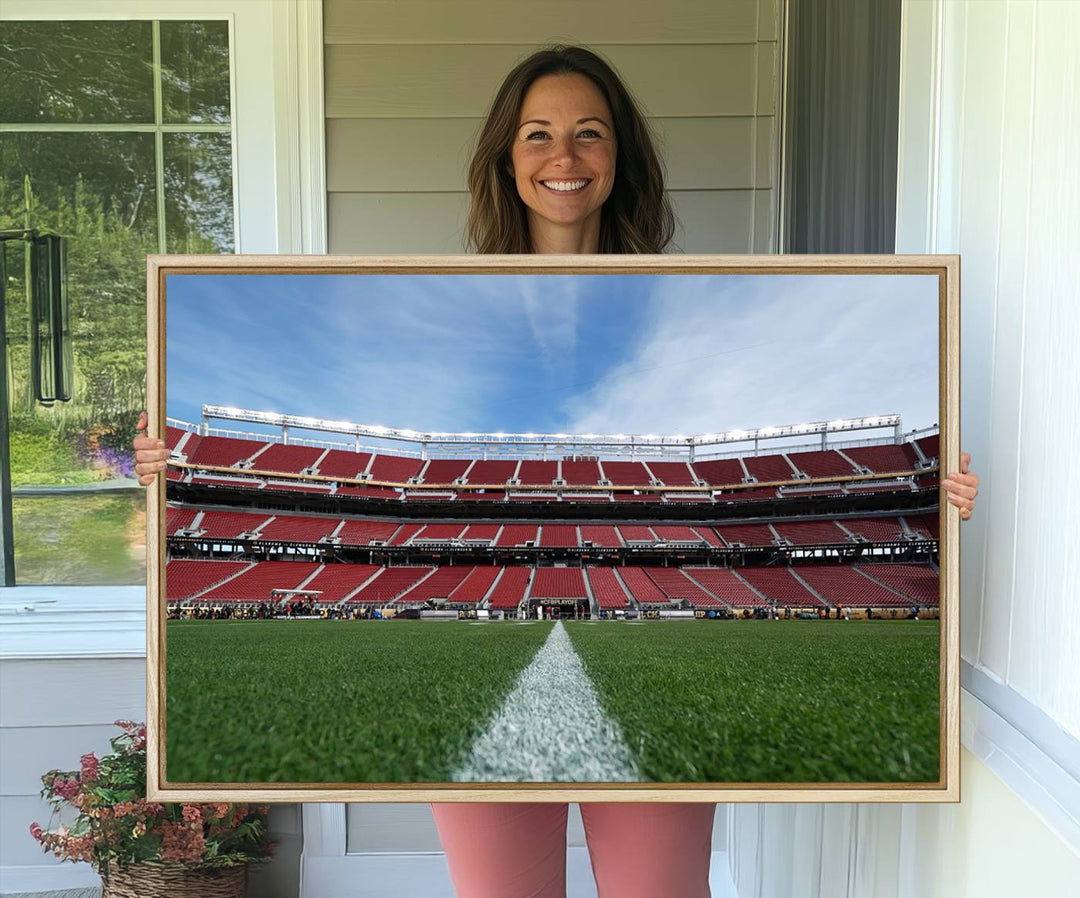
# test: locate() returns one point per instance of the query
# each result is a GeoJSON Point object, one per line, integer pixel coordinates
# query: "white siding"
{"type": "Point", "coordinates": [407, 85]}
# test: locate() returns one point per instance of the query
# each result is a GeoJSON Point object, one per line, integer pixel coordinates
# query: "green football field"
{"type": "Point", "coordinates": [686, 701]}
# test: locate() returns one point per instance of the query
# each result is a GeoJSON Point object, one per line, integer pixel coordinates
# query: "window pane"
{"type": "Point", "coordinates": [82, 539]}
{"type": "Point", "coordinates": [76, 72]}
{"type": "Point", "coordinates": [195, 71]}
{"type": "Point", "coordinates": [98, 191]}
{"type": "Point", "coordinates": [198, 193]}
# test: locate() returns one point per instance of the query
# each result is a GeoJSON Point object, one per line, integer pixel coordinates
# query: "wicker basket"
{"type": "Point", "coordinates": [174, 881]}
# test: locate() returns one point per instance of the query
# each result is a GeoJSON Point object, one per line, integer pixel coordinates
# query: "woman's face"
{"type": "Point", "coordinates": [563, 154]}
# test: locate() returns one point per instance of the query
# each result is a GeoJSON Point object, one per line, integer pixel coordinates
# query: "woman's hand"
{"type": "Point", "coordinates": [961, 489]}
{"type": "Point", "coordinates": [150, 454]}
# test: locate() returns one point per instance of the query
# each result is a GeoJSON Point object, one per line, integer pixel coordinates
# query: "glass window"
{"type": "Point", "coordinates": [117, 136]}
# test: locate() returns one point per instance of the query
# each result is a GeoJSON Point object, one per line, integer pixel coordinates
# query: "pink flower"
{"type": "Point", "coordinates": [36, 831]}
{"type": "Point", "coordinates": [192, 814]}
{"type": "Point", "coordinates": [123, 808]}
{"type": "Point", "coordinates": [89, 767]}
{"type": "Point", "coordinates": [65, 788]}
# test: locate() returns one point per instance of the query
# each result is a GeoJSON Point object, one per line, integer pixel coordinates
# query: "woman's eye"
{"type": "Point", "coordinates": [536, 135]}
{"type": "Point", "coordinates": [589, 132]}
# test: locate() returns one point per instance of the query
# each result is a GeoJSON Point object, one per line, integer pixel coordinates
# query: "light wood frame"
{"type": "Point", "coordinates": [947, 789]}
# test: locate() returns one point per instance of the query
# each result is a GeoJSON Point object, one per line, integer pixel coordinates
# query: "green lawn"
{"type": "Point", "coordinates": [380, 701]}
{"type": "Point", "coordinates": [771, 701]}
{"type": "Point", "coordinates": [334, 701]}
{"type": "Point", "coordinates": [80, 539]}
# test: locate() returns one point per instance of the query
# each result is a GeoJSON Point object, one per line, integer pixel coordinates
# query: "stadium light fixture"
{"type": "Point", "coordinates": [464, 439]}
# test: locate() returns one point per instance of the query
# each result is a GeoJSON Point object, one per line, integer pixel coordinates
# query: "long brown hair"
{"type": "Point", "coordinates": [637, 216]}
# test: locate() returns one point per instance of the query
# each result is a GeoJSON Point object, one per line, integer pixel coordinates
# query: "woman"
{"type": "Point", "coordinates": [565, 164]}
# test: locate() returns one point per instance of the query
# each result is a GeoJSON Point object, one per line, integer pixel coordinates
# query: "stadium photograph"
{"type": "Point", "coordinates": [552, 528]}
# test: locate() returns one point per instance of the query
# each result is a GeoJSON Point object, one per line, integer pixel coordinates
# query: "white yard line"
{"type": "Point", "coordinates": [551, 728]}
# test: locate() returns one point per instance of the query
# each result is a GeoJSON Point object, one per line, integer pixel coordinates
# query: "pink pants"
{"type": "Point", "coordinates": [638, 850]}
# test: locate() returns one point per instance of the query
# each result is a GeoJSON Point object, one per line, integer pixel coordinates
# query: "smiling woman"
{"type": "Point", "coordinates": [560, 118]}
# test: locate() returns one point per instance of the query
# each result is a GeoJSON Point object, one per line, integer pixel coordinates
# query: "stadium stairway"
{"type": "Point", "coordinates": [751, 587]}
{"type": "Point", "coordinates": [812, 591]}
{"type": "Point", "coordinates": [594, 605]}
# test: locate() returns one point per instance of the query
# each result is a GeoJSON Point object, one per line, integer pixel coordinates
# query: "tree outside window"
{"type": "Point", "coordinates": [118, 136]}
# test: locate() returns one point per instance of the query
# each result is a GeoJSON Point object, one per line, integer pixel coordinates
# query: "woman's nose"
{"type": "Point", "coordinates": [564, 150]}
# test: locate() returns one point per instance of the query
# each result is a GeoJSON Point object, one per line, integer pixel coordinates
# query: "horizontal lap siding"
{"type": "Point", "coordinates": [408, 83]}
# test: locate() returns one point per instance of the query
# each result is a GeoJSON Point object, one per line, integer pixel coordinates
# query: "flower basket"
{"type": "Point", "coordinates": [144, 848]}
{"type": "Point", "coordinates": [174, 881]}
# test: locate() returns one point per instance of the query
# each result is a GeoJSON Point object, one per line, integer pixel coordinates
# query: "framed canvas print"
{"type": "Point", "coordinates": [553, 528]}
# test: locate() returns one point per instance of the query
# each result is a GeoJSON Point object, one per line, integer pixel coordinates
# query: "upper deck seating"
{"type": "Point", "coordinates": [445, 470]}
{"type": "Point", "coordinates": [439, 533]}
{"type": "Point", "coordinates": [296, 529]}
{"type": "Point", "coordinates": [388, 585]}
{"type": "Point", "coordinates": [672, 473]}
{"type": "Point", "coordinates": [178, 519]}
{"type": "Point", "coordinates": [292, 459]}
{"type": "Point", "coordinates": [510, 588]}
{"type": "Point", "coordinates": [344, 464]}
{"type": "Point", "coordinates": [475, 586]}
{"type": "Point", "coordinates": [927, 526]}
{"type": "Point", "coordinates": [626, 473]}
{"type": "Point", "coordinates": [558, 583]}
{"type": "Point", "coordinates": [363, 533]}
{"type": "Point", "coordinates": [719, 471]}
{"type": "Point", "coordinates": [404, 533]}
{"type": "Point", "coordinates": [223, 452]}
{"type": "Point", "coordinates": [580, 472]}
{"type": "Point", "coordinates": [173, 435]}
{"type": "Point", "coordinates": [637, 533]}
{"type": "Point", "coordinates": [606, 587]}
{"type": "Point", "coordinates": [230, 524]}
{"type": "Point", "coordinates": [517, 535]}
{"type": "Point", "coordinates": [811, 533]}
{"type": "Point", "coordinates": [256, 584]}
{"type": "Point", "coordinates": [601, 535]}
{"type": "Point", "coordinates": [874, 529]}
{"type": "Point", "coordinates": [767, 468]}
{"type": "Point", "coordinates": [779, 585]}
{"type": "Point", "coordinates": [394, 468]}
{"type": "Point", "coordinates": [482, 533]}
{"type": "Point", "coordinates": [919, 581]}
{"type": "Point", "coordinates": [723, 583]}
{"type": "Point", "coordinates": [931, 446]}
{"type": "Point", "coordinates": [840, 584]}
{"type": "Point", "coordinates": [747, 534]}
{"type": "Point", "coordinates": [185, 578]}
{"type": "Point", "coordinates": [677, 533]}
{"type": "Point", "coordinates": [885, 459]}
{"type": "Point", "coordinates": [708, 534]}
{"type": "Point", "coordinates": [534, 472]}
{"type": "Point", "coordinates": [495, 471]}
{"type": "Point", "coordinates": [556, 536]}
{"type": "Point", "coordinates": [827, 463]}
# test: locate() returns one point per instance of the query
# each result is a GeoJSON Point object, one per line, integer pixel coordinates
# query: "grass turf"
{"type": "Point", "coordinates": [771, 701]}
{"type": "Point", "coordinates": [334, 701]}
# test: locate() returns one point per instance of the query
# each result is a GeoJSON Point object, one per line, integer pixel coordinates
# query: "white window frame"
{"type": "Point", "coordinates": [279, 200]}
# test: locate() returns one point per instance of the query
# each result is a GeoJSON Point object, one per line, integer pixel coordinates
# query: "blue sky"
{"type": "Point", "coordinates": [556, 353]}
